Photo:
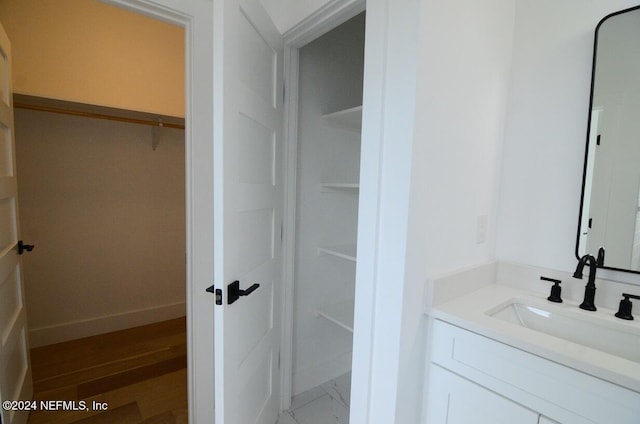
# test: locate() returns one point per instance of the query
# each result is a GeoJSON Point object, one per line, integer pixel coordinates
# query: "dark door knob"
{"type": "Point", "coordinates": [24, 247]}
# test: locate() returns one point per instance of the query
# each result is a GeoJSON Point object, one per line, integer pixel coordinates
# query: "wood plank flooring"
{"type": "Point", "coordinates": [140, 373]}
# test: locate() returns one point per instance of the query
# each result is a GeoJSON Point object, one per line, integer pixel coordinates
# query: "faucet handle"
{"type": "Point", "coordinates": [555, 290]}
{"type": "Point", "coordinates": [624, 311]}
{"type": "Point", "coordinates": [600, 258]}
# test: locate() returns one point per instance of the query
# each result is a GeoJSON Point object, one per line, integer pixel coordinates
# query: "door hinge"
{"type": "Point", "coordinates": [279, 353]}
{"type": "Point", "coordinates": [598, 140]}
{"type": "Point", "coordinates": [281, 232]}
{"type": "Point", "coordinates": [284, 96]}
{"type": "Point", "coordinates": [590, 222]}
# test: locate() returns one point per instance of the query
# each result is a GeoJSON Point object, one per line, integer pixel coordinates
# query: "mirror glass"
{"type": "Point", "coordinates": [610, 207]}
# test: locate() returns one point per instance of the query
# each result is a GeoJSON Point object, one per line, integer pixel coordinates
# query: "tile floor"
{"type": "Point", "coordinates": [325, 404]}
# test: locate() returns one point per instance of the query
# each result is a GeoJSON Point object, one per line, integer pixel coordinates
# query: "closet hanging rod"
{"type": "Point", "coordinates": [52, 109]}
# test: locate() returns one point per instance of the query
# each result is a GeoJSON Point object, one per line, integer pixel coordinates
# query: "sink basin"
{"type": "Point", "coordinates": [597, 332]}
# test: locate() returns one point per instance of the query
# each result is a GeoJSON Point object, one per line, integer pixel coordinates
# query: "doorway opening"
{"type": "Point", "coordinates": [104, 203]}
{"type": "Point", "coordinates": [322, 207]}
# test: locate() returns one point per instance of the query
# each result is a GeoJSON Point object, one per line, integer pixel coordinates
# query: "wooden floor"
{"type": "Point", "coordinates": [139, 373]}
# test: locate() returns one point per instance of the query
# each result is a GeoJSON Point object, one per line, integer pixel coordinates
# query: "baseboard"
{"type": "Point", "coordinates": [57, 333]}
{"type": "Point", "coordinates": [311, 377]}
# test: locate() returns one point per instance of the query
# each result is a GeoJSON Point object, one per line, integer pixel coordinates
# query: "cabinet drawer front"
{"type": "Point", "coordinates": [559, 392]}
{"type": "Point", "coordinates": [455, 400]}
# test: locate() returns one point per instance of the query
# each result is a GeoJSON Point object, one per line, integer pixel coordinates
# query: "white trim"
{"type": "Point", "coordinates": [196, 16]}
{"type": "Point", "coordinates": [57, 333]}
{"type": "Point", "coordinates": [290, 163]}
{"type": "Point", "coordinates": [390, 73]}
{"type": "Point", "coordinates": [325, 19]}
{"type": "Point", "coordinates": [332, 14]}
{"type": "Point", "coordinates": [153, 10]}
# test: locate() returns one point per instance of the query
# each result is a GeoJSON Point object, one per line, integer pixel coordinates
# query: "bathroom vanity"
{"type": "Point", "coordinates": [504, 354]}
{"type": "Point", "coordinates": [504, 345]}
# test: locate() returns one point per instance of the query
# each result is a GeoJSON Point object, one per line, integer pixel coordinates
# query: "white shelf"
{"type": "Point", "coordinates": [339, 313]}
{"type": "Point", "coordinates": [339, 187]}
{"type": "Point", "coordinates": [350, 119]}
{"type": "Point", "coordinates": [345, 251]}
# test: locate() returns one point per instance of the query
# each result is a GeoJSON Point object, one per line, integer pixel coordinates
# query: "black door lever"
{"type": "Point", "coordinates": [24, 247]}
{"type": "Point", "coordinates": [234, 292]}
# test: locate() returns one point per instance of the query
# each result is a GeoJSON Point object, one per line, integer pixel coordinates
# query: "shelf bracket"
{"type": "Point", "coordinates": [155, 135]}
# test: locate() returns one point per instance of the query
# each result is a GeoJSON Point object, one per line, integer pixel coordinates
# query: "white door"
{"type": "Point", "coordinates": [248, 202]}
{"type": "Point", "coordinates": [15, 369]}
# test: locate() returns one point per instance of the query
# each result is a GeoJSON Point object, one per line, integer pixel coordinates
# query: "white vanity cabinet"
{"type": "Point", "coordinates": [475, 379]}
{"type": "Point", "coordinates": [456, 400]}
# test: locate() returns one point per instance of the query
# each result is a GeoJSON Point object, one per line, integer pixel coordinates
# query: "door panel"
{"type": "Point", "coordinates": [15, 370]}
{"type": "Point", "coordinates": [248, 210]}
{"type": "Point", "coordinates": [258, 60]}
{"type": "Point", "coordinates": [6, 163]}
{"type": "Point", "coordinates": [10, 294]}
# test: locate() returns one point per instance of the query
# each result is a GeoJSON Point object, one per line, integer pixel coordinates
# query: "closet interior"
{"type": "Point", "coordinates": [102, 199]}
{"type": "Point", "coordinates": [327, 193]}
{"type": "Point", "coordinates": [100, 152]}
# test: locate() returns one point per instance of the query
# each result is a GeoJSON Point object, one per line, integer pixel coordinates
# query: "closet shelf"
{"type": "Point", "coordinates": [344, 251]}
{"type": "Point", "coordinates": [339, 313]}
{"type": "Point", "coordinates": [350, 119]}
{"type": "Point", "coordinates": [23, 101]}
{"type": "Point", "coordinates": [339, 187]}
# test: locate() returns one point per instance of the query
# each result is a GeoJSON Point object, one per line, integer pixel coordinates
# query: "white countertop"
{"type": "Point", "coordinates": [470, 312]}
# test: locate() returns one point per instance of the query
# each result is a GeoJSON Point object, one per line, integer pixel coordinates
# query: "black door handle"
{"type": "Point", "coordinates": [24, 247]}
{"type": "Point", "coordinates": [234, 292]}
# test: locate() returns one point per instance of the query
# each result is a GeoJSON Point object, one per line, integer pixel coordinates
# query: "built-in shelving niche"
{"type": "Point", "coordinates": [339, 187]}
{"type": "Point", "coordinates": [341, 313]}
{"type": "Point", "coordinates": [349, 119]}
{"type": "Point", "coordinates": [343, 251]}
{"type": "Point", "coordinates": [328, 150]}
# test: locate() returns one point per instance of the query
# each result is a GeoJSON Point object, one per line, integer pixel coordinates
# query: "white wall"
{"type": "Point", "coordinates": [330, 80]}
{"type": "Point", "coordinates": [90, 52]}
{"type": "Point", "coordinates": [107, 216]}
{"type": "Point", "coordinates": [464, 66]}
{"type": "Point", "coordinates": [545, 132]}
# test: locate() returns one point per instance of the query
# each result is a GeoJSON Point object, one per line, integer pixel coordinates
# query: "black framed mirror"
{"type": "Point", "coordinates": [609, 219]}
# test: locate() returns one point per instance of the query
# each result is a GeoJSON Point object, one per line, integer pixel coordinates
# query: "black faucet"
{"type": "Point", "coordinates": [590, 289]}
